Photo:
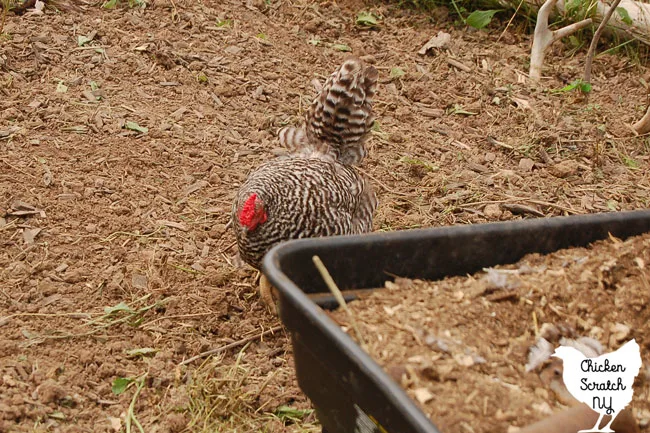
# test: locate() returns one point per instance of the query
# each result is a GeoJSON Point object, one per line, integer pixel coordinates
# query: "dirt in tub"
{"type": "Point", "coordinates": [460, 346]}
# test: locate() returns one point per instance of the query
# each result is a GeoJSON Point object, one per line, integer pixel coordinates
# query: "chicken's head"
{"type": "Point", "coordinates": [252, 213]}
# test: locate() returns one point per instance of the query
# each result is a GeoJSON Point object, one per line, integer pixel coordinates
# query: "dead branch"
{"type": "Point", "coordinates": [544, 37]}
{"type": "Point", "coordinates": [231, 345]}
{"type": "Point", "coordinates": [594, 40]}
{"type": "Point", "coordinates": [643, 125]}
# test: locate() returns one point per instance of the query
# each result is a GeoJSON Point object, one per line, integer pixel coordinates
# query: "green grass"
{"type": "Point", "coordinates": [110, 4]}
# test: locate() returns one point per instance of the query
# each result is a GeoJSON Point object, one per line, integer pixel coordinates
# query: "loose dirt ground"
{"type": "Point", "coordinates": [460, 346]}
{"type": "Point", "coordinates": [133, 269]}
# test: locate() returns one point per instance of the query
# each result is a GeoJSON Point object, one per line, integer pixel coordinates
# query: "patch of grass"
{"type": "Point", "coordinates": [575, 85]}
{"type": "Point", "coordinates": [631, 163]}
{"type": "Point", "coordinates": [110, 4]}
{"type": "Point", "coordinates": [229, 397]}
{"type": "Point", "coordinates": [367, 19]}
{"type": "Point", "coordinates": [396, 73]}
{"type": "Point", "coordinates": [225, 23]}
{"type": "Point", "coordinates": [418, 162]}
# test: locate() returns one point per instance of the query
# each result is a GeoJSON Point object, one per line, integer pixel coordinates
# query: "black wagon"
{"type": "Point", "coordinates": [351, 393]}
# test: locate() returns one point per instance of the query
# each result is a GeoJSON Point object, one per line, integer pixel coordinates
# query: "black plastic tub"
{"type": "Point", "coordinates": [350, 392]}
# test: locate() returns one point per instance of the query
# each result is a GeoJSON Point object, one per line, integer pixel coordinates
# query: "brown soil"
{"type": "Point", "coordinates": [460, 346]}
{"type": "Point", "coordinates": [138, 219]}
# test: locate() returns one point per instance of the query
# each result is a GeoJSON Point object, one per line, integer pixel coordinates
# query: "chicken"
{"type": "Point", "coordinates": [314, 190]}
{"type": "Point", "coordinates": [605, 382]}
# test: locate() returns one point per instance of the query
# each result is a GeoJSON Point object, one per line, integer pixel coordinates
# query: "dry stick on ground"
{"type": "Point", "coordinates": [338, 295]}
{"type": "Point", "coordinates": [231, 345]}
{"type": "Point", "coordinates": [380, 183]}
{"type": "Point", "coordinates": [543, 38]}
{"type": "Point", "coordinates": [594, 40]}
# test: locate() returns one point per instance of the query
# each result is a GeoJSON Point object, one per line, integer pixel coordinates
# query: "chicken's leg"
{"type": "Point", "coordinates": [266, 293]}
{"type": "Point", "coordinates": [595, 428]}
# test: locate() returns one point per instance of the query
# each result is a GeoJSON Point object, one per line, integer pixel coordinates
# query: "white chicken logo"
{"type": "Point", "coordinates": [603, 383]}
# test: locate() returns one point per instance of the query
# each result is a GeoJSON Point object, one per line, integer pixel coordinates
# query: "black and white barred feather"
{"type": "Point", "coordinates": [339, 118]}
{"type": "Point", "coordinates": [313, 191]}
{"type": "Point", "coordinates": [304, 197]}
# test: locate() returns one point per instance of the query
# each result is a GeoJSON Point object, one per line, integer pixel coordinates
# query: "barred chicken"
{"type": "Point", "coordinates": [314, 190]}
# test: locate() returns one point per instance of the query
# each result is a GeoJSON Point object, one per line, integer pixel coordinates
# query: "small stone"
{"type": "Point", "coordinates": [526, 164]}
{"type": "Point", "coordinates": [116, 423]}
{"type": "Point", "coordinates": [139, 281]}
{"type": "Point", "coordinates": [564, 169]}
{"type": "Point", "coordinates": [423, 395]}
{"type": "Point", "coordinates": [492, 211]}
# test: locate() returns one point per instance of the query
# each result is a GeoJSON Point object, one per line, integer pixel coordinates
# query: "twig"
{"type": "Point", "coordinates": [380, 183]}
{"type": "Point", "coordinates": [5, 9]}
{"type": "Point", "coordinates": [231, 345]}
{"type": "Point", "coordinates": [455, 63]}
{"type": "Point", "coordinates": [338, 295]}
{"type": "Point", "coordinates": [18, 170]}
{"type": "Point", "coordinates": [556, 206]}
{"type": "Point", "coordinates": [178, 316]}
{"type": "Point", "coordinates": [174, 12]}
{"type": "Point", "coordinates": [510, 21]}
{"type": "Point", "coordinates": [517, 208]}
{"type": "Point", "coordinates": [114, 235]}
{"type": "Point", "coordinates": [594, 40]}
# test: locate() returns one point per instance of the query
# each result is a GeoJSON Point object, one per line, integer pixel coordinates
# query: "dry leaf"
{"type": "Point", "coordinates": [522, 103]}
{"type": "Point", "coordinates": [30, 234]}
{"type": "Point", "coordinates": [116, 423]}
{"type": "Point", "coordinates": [438, 41]}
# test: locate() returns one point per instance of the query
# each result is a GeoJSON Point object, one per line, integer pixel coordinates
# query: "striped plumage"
{"type": "Point", "coordinates": [313, 191]}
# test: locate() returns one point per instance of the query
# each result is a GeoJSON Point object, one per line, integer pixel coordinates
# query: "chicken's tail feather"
{"type": "Point", "coordinates": [293, 138]}
{"type": "Point", "coordinates": [340, 117]}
